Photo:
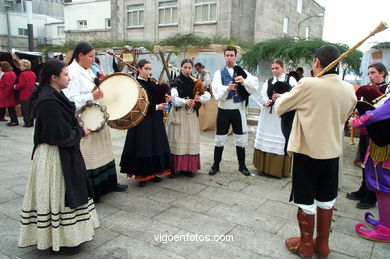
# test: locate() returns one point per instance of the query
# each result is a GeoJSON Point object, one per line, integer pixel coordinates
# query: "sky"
{"type": "Point", "coordinates": [349, 21]}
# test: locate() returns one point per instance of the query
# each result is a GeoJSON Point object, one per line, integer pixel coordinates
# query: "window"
{"type": "Point", "coordinates": [23, 32]}
{"type": "Point", "coordinates": [167, 13]}
{"type": "Point", "coordinates": [285, 25]}
{"type": "Point", "coordinates": [205, 12]}
{"type": "Point", "coordinates": [307, 32]}
{"type": "Point", "coordinates": [108, 23]}
{"type": "Point", "coordinates": [135, 15]}
{"type": "Point", "coordinates": [60, 30]}
{"type": "Point", "coordinates": [82, 24]}
{"type": "Point", "coordinates": [299, 6]}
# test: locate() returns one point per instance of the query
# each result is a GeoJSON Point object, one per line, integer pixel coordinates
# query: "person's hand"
{"type": "Point", "coordinates": [87, 132]}
{"type": "Point", "coordinates": [161, 106]}
{"type": "Point", "coordinates": [190, 103]}
{"type": "Point", "coordinates": [275, 96]}
{"type": "Point", "coordinates": [15, 87]}
{"type": "Point", "coordinates": [197, 98]}
{"type": "Point", "coordinates": [168, 98]}
{"type": "Point", "coordinates": [239, 80]}
{"type": "Point", "coordinates": [97, 94]}
{"type": "Point", "coordinates": [268, 103]}
{"type": "Point", "coordinates": [231, 86]}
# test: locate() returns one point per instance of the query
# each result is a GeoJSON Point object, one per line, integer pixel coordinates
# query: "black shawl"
{"type": "Point", "coordinates": [56, 125]}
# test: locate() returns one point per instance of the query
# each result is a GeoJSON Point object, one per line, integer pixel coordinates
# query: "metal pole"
{"type": "Point", "coordinates": [30, 25]}
{"type": "Point", "coordinates": [7, 7]}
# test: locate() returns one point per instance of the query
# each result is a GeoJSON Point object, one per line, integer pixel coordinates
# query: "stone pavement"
{"type": "Point", "coordinates": [254, 210]}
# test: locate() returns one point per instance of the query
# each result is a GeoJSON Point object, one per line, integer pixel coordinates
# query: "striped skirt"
{"type": "Point", "coordinates": [45, 221]}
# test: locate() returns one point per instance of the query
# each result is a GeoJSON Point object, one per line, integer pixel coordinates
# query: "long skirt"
{"type": "Point", "coordinates": [183, 137]}
{"type": "Point", "coordinates": [146, 152]}
{"type": "Point", "coordinates": [272, 164]}
{"type": "Point", "coordinates": [46, 222]}
{"type": "Point", "coordinates": [103, 179]}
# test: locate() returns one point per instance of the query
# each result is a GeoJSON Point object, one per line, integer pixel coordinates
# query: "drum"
{"type": "Point", "coordinates": [92, 116]}
{"type": "Point", "coordinates": [126, 101]}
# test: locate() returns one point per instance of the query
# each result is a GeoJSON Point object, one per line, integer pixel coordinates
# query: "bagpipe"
{"type": "Point", "coordinates": [241, 91]}
{"type": "Point", "coordinates": [199, 89]}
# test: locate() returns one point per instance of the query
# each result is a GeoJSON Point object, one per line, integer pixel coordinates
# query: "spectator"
{"type": "Point", "coordinates": [7, 94]}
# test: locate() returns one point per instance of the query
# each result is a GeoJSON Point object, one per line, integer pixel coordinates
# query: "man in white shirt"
{"type": "Point", "coordinates": [231, 87]}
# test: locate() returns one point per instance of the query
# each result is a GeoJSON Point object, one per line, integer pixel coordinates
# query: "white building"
{"type": "Point", "coordinates": [87, 20]}
{"type": "Point", "coordinates": [42, 20]}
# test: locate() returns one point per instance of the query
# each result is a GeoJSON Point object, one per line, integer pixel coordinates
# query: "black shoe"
{"type": "Point", "coordinates": [245, 172]}
{"type": "Point", "coordinates": [156, 179]}
{"type": "Point", "coordinates": [356, 196]}
{"type": "Point", "coordinates": [365, 205]}
{"type": "Point", "coordinates": [189, 174]}
{"type": "Point", "coordinates": [12, 124]}
{"type": "Point", "coordinates": [142, 184]}
{"type": "Point", "coordinates": [96, 200]}
{"type": "Point", "coordinates": [120, 187]}
{"type": "Point", "coordinates": [67, 250]}
{"type": "Point", "coordinates": [172, 175]}
{"type": "Point", "coordinates": [214, 169]}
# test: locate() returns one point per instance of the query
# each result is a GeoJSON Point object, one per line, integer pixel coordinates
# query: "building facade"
{"type": "Point", "coordinates": [87, 20]}
{"type": "Point", "coordinates": [247, 20]}
{"type": "Point", "coordinates": [45, 12]}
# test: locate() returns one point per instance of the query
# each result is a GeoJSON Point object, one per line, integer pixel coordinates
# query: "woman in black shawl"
{"type": "Point", "coordinates": [58, 211]}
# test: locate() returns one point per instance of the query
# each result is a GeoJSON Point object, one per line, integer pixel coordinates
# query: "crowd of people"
{"type": "Point", "coordinates": [74, 167]}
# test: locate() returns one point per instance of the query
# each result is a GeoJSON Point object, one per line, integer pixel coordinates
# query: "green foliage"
{"type": "Point", "coordinates": [184, 41]}
{"type": "Point", "coordinates": [98, 45]}
{"type": "Point", "coordinates": [382, 45]}
{"type": "Point", "coordinates": [295, 51]}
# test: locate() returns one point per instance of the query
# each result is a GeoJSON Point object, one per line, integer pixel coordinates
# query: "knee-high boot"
{"type": "Point", "coordinates": [217, 159]}
{"type": "Point", "coordinates": [324, 221]}
{"type": "Point", "coordinates": [241, 160]}
{"type": "Point", "coordinates": [303, 245]}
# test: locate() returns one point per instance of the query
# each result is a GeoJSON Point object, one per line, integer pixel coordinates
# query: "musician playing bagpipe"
{"type": "Point", "coordinates": [183, 122]}
{"type": "Point", "coordinates": [322, 105]}
{"type": "Point", "coordinates": [231, 87]}
{"type": "Point", "coordinates": [269, 155]}
{"type": "Point", "coordinates": [367, 95]}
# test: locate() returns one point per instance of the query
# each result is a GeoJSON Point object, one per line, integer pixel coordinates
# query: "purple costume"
{"type": "Point", "coordinates": [377, 172]}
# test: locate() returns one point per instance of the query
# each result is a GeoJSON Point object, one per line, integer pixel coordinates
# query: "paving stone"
{"type": "Point", "coordinates": [12, 208]}
{"type": "Point", "coordinates": [381, 251]}
{"type": "Point", "coordinates": [102, 236]}
{"type": "Point", "coordinates": [194, 222]}
{"type": "Point", "coordinates": [137, 226]}
{"type": "Point", "coordinates": [211, 249]}
{"type": "Point", "coordinates": [168, 196]}
{"type": "Point", "coordinates": [265, 191]}
{"type": "Point", "coordinates": [260, 242]}
{"type": "Point", "coordinates": [231, 197]}
{"type": "Point", "coordinates": [132, 203]}
{"type": "Point", "coordinates": [126, 247]}
{"type": "Point", "coordinates": [352, 246]}
{"type": "Point", "coordinates": [8, 195]}
{"type": "Point", "coordinates": [281, 209]}
{"type": "Point", "coordinates": [250, 218]}
{"type": "Point", "coordinates": [9, 236]}
{"type": "Point", "coordinates": [182, 184]}
{"type": "Point", "coordinates": [104, 210]}
{"type": "Point", "coordinates": [345, 225]}
{"type": "Point", "coordinates": [39, 254]}
{"type": "Point", "coordinates": [194, 203]}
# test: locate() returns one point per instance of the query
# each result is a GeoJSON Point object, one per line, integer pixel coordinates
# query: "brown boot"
{"type": "Point", "coordinates": [303, 246]}
{"type": "Point", "coordinates": [324, 220]}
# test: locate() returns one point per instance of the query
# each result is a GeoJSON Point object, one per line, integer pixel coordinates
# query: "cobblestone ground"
{"type": "Point", "coordinates": [253, 210]}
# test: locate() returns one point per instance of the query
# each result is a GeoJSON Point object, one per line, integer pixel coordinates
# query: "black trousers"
{"type": "Point", "coordinates": [11, 112]}
{"type": "Point", "coordinates": [314, 179]}
{"type": "Point", "coordinates": [25, 106]}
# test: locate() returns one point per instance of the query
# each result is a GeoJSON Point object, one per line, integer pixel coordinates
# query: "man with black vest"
{"type": "Point", "coordinates": [231, 87]}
